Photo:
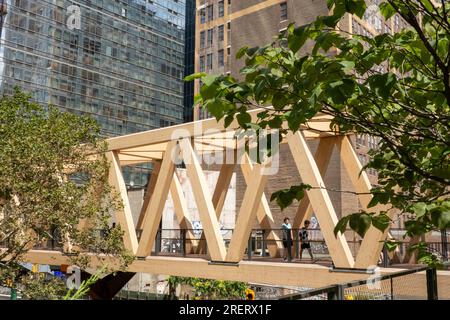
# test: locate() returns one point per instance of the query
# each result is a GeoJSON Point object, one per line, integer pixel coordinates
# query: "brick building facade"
{"type": "Point", "coordinates": [224, 26]}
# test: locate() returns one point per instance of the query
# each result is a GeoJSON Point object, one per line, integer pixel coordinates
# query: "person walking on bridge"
{"type": "Point", "coordinates": [287, 239]}
{"type": "Point", "coordinates": [304, 240]}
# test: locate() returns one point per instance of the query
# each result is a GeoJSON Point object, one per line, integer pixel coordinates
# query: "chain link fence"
{"type": "Point", "coordinates": [403, 285]}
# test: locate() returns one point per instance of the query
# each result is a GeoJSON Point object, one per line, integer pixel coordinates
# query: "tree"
{"type": "Point", "coordinates": [392, 86]}
{"type": "Point", "coordinates": [53, 174]}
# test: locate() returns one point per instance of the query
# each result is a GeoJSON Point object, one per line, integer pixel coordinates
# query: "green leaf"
{"type": "Point", "coordinates": [357, 7]}
{"type": "Point", "coordinates": [331, 21]}
{"type": "Point", "coordinates": [297, 39]}
{"type": "Point", "coordinates": [197, 99]}
{"type": "Point", "coordinates": [387, 10]}
{"type": "Point", "coordinates": [209, 79]}
{"type": "Point", "coordinates": [330, 3]}
{"type": "Point", "coordinates": [283, 198]}
{"type": "Point", "coordinates": [209, 91]}
{"type": "Point", "coordinates": [381, 222]}
{"type": "Point", "coordinates": [276, 123]}
{"type": "Point", "coordinates": [382, 84]}
{"type": "Point", "coordinates": [244, 119]}
{"type": "Point", "coordinates": [440, 217]}
{"type": "Point", "coordinates": [341, 225]}
{"type": "Point", "coordinates": [228, 120]}
{"type": "Point", "coordinates": [419, 209]}
{"type": "Point", "coordinates": [279, 100]}
{"type": "Point", "coordinates": [195, 76]}
{"type": "Point", "coordinates": [391, 245]}
{"type": "Point", "coordinates": [340, 91]}
{"type": "Point", "coordinates": [360, 223]}
{"type": "Point", "coordinates": [348, 65]}
{"type": "Point", "coordinates": [250, 52]}
{"type": "Point", "coordinates": [216, 108]}
{"type": "Point", "coordinates": [241, 52]}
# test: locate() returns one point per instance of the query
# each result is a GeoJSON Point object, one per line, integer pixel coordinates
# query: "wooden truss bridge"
{"type": "Point", "coordinates": [188, 142]}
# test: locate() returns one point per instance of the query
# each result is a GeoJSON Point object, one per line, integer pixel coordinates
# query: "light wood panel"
{"type": "Point", "coordinates": [247, 214]}
{"type": "Point", "coordinates": [320, 201]}
{"type": "Point", "coordinates": [205, 206]}
{"type": "Point", "coordinates": [123, 216]}
{"type": "Point", "coordinates": [322, 158]}
{"type": "Point", "coordinates": [152, 215]}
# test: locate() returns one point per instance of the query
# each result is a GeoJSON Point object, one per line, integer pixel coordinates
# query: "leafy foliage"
{"type": "Point", "coordinates": [211, 289]}
{"type": "Point", "coordinates": [395, 87]}
{"type": "Point", "coordinates": [285, 197]}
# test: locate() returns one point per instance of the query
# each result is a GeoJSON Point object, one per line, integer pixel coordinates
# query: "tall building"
{"type": "Point", "coordinates": [225, 26]}
{"type": "Point", "coordinates": [189, 60]}
{"type": "Point", "coordinates": [118, 61]}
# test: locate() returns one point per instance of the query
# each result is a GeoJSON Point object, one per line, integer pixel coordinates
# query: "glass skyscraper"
{"type": "Point", "coordinates": [119, 61]}
{"type": "Point", "coordinates": [189, 60]}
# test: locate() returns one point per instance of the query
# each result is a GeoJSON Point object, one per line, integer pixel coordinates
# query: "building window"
{"type": "Point", "coordinates": [202, 63]}
{"type": "Point", "coordinates": [220, 58]}
{"type": "Point", "coordinates": [221, 8]}
{"type": "Point", "coordinates": [202, 15]}
{"type": "Point", "coordinates": [210, 37]}
{"type": "Point", "coordinates": [283, 11]}
{"type": "Point", "coordinates": [229, 51]}
{"type": "Point", "coordinates": [229, 26]}
{"type": "Point", "coordinates": [220, 33]}
{"type": "Point", "coordinates": [202, 39]}
{"type": "Point", "coordinates": [210, 10]}
{"type": "Point", "coordinates": [396, 23]}
{"type": "Point", "coordinates": [209, 60]}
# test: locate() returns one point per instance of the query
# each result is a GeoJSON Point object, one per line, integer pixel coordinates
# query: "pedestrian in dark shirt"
{"type": "Point", "coordinates": [304, 240]}
{"type": "Point", "coordinates": [287, 239]}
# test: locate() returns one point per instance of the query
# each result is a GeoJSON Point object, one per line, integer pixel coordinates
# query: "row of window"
{"type": "Point", "coordinates": [207, 13]}
{"type": "Point", "coordinates": [136, 19]}
{"type": "Point", "coordinates": [206, 36]}
{"type": "Point", "coordinates": [368, 141]}
{"type": "Point", "coordinates": [93, 25]}
{"type": "Point", "coordinates": [206, 61]}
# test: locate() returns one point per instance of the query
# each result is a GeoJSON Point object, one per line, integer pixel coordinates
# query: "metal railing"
{"type": "Point", "coordinates": [184, 242]}
{"type": "Point", "coordinates": [395, 286]}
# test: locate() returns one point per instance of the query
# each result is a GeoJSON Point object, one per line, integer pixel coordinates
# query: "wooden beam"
{"type": "Point", "coordinates": [181, 210]}
{"type": "Point", "coordinates": [208, 216]}
{"type": "Point", "coordinates": [148, 192]}
{"type": "Point", "coordinates": [219, 196]}
{"type": "Point", "coordinates": [319, 124]}
{"type": "Point", "coordinates": [372, 243]}
{"type": "Point", "coordinates": [264, 215]}
{"type": "Point", "coordinates": [131, 158]}
{"type": "Point", "coordinates": [152, 216]}
{"type": "Point", "coordinates": [320, 201]}
{"type": "Point", "coordinates": [247, 214]}
{"type": "Point", "coordinates": [222, 186]}
{"type": "Point", "coordinates": [179, 203]}
{"type": "Point", "coordinates": [322, 158]}
{"type": "Point", "coordinates": [123, 215]}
